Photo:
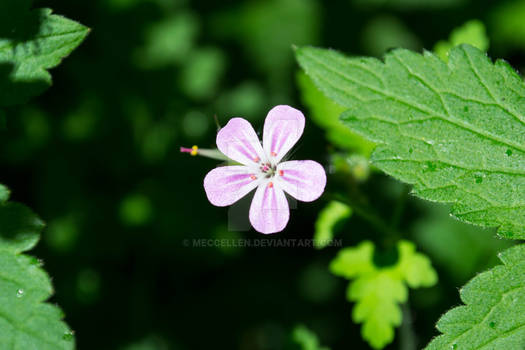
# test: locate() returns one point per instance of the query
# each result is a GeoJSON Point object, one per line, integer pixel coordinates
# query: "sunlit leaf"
{"type": "Point", "coordinates": [493, 316]}
{"type": "Point", "coordinates": [455, 131]}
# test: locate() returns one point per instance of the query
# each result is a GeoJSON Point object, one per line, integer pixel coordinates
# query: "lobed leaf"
{"type": "Point", "coordinates": [378, 291]}
{"type": "Point", "coordinates": [455, 131]}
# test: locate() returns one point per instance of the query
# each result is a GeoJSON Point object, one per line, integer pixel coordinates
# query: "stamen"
{"type": "Point", "coordinates": [281, 172]}
{"type": "Point", "coordinates": [273, 154]}
{"type": "Point", "coordinates": [193, 151]}
{"type": "Point", "coordinates": [256, 159]}
{"type": "Point", "coordinates": [270, 184]}
{"type": "Point", "coordinates": [253, 177]}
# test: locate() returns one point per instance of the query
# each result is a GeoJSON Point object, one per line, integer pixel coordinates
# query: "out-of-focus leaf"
{"type": "Point", "coordinates": [42, 40]}
{"type": "Point", "coordinates": [168, 42]}
{"type": "Point", "coordinates": [410, 4]}
{"type": "Point", "coordinates": [306, 339]}
{"type": "Point", "coordinates": [493, 316]}
{"type": "Point", "coordinates": [507, 26]}
{"type": "Point", "coordinates": [268, 29]}
{"type": "Point", "coordinates": [472, 33]}
{"type": "Point", "coordinates": [136, 210]}
{"type": "Point", "coordinates": [247, 100]}
{"type": "Point", "coordinates": [328, 218]}
{"type": "Point", "coordinates": [378, 291]}
{"type": "Point", "coordinates": [460, 248]}
{"type": "Point", "coordinates": [387, 32]}
{"type": "Point", "coordinates": [26, 320]}
{"type": "Point", "coordinates": [202, 72]}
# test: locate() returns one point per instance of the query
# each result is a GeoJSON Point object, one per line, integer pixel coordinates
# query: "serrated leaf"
{"type": "Point", "coordinates": [40, 42]}
{"type": "Point", "coordinates": [325, 113]}
{"type": "Point", "coordinates": [494, 314]}
{"type": "Point", "coordinates": [378, 291]}
{"type": "Point", "coordinates": [455, 131]}
{"type": "Point", "coordinates": [333, 213]}
{"type": "Point", "coordinates": [306, 339]}
{"type": "Point", "coordinates": [472, 33]}
{"type": "Point", "coordinates": [26, 320]}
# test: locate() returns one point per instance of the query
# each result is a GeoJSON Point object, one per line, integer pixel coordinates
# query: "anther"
{"type": "Point", "coordinates": [253, 177]}
{"type": "Point", "coordinates": [281, 172]}
{"type": "Point", "coordinates": [270, 184]}
{"type": "Point", "coordinates": [273, 154]}
{"type": "Point", "coordinates": [194, 150]}
{"type": "Point", "coordinates": [256, 159]}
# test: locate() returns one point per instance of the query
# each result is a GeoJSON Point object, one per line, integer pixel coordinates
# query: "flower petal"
{"type": "Point", "coordinates": [304, 180]}
{"type": "Point", "coordinates": [283, 127]}
{"type": "Point", "coordinates": [227, 184]}
{"type": "Point", "coordinates": [269, 212]}
{"type": "Point", "coordinates": [238, 141]}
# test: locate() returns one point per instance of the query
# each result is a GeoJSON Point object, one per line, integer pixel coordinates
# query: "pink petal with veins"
{"type": "Point", "coordinates": [304, 180]}
{"type": "Point", "coordinates": [238, 141]}
{"type": "Point", "coordinates": [269, 212]}
{"type": "Point", "coordinates": [227, 184]}
{"type": "Point", "coordinates": [283, 127]}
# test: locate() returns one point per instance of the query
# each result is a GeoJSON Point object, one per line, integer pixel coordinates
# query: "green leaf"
{"type": "Point", "coordinates": [378, 291]}
{"type": "Point", "coordinates": [26, 320]}
{"type": "Point", "coordinates": [306, 339]}
{"type": "Point", "coordinates": [325, 113]}
{"type": "Point", "coordinates": [42, 41]}
{"type": "Point", "coordinates": [455, 131]}
{"type": "Point", "coordinates": [328, 218]}
{"type": "Point", "coordinates": [494, 314]}
{"type": "Point", "coordinates": [472, 33]}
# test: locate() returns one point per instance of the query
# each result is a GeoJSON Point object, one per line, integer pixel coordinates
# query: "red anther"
{"type": "Point", "coordinates": [281, 172]}
{"type": "Point", "coordinates": [256, 159]}
{"type": "Point", "coordinates": [253, 177]}
{"type": "Point", "coordinates": [270, 184]}
{"type": "Point", "coordinates": [273, 154]}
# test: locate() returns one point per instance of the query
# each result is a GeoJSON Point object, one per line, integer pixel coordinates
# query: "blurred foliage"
{"type": "Point", "coordinates": [378, 290]}
{"type": "Point", "coordinates": [306, 339]}
{"type": "Point", "coordinates": [387, 32]}
{"type": "Point", "coordinates": [410, 4]}
{"type": "Point", "coordinates": [472, 33]}
{"type": "Point", "coordinates": [507, 24]}
{"type": "Point", "coordinates": [329, 217]}
{"type": "Point", "coordinates": [459, 248]}
{"type": "Point", "coordinates": [97, 156]}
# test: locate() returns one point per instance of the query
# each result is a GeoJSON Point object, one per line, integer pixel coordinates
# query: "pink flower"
{"type": "Point", "coordinates": [262, 169]}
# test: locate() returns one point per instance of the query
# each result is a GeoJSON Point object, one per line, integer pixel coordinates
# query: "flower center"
{"type": "Point", "coordinates": [268, 169]}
